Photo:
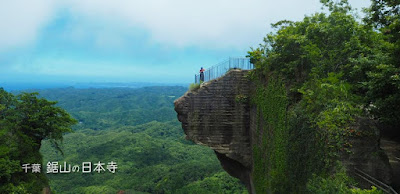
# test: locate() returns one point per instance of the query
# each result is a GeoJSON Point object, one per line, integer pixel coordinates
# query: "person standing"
{"type": "Point", "coordinates": [202, 74]}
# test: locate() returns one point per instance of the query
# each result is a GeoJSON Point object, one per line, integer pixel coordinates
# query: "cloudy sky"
{"type": "Point", "coordinates": [132, 40]}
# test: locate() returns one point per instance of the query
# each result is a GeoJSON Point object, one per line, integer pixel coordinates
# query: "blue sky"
{"type": "Point", "coordinates": [133, 41]}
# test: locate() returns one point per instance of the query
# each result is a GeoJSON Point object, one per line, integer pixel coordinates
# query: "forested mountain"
{"type": "Point", "coordinates": [106, 108]}
{"type": "Point", "coordinates": [137, 129]}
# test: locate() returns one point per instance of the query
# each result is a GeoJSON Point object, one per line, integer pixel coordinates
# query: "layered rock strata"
{"type": "Point", "coordinates": [217, 115]}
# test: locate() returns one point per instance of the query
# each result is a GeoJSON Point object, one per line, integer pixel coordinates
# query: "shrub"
{"type": "Point", "coordinates": [194, 86]}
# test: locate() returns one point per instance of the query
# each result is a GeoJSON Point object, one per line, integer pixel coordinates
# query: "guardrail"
{"type": "Point", "coordinates": [221, 68]}
{"type": "Point", "coordinates": [371, 180]}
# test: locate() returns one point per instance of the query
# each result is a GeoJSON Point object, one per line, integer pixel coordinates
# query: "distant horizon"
{"type": "Point", "coordinates": [18, 86]}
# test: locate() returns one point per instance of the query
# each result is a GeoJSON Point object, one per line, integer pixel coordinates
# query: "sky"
{"type": "Point", "coordinates": [164, 41]}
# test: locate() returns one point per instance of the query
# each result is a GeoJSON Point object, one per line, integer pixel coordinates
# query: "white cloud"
{"type": "Point", "coordinates": [221, 23]}
{"type": "Point", "coordinates": [20, 21]}
{"type": "Point", "coordinates": [205, 23]}
{"type": "Point", "coordinates": [208, 23]}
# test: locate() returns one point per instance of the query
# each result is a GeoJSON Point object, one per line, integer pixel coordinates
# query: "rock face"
{"type": "Point", "coordinates": [366, 154]}
{"type": "Point", "coordinates": [217, 115]}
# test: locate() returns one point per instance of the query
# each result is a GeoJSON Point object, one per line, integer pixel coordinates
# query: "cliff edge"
{"type": "Point", "coordinates": [220, 116]}
{"type": "Point", "coordinates": [217, 115]}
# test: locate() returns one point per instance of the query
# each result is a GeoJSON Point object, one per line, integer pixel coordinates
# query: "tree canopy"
{"type": "Point", "coordinates": [25, 120]}
{"type": "Point", "coordinates": [333, 68]}
{"type": "Point", "coordinates": [337, 44]}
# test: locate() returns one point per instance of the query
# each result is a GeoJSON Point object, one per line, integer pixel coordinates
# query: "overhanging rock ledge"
{"type": "Point", "coordinates": [217, 115]}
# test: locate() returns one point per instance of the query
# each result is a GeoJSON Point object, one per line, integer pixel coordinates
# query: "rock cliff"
{"type": "Point", "coordinates": [366, 154]}
{"type": "Point", "coordinates": [219, 115]}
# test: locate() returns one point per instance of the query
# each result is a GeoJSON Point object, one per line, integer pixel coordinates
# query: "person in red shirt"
{"type": "Point", "coordinates": [202, 74]}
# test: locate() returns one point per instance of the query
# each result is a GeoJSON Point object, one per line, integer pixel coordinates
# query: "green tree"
{"type": "Point", "coordinates": [385, 16]}
{"type": "Point", "coordinates": [25, 120]}
{"type": "Point", "coordinates": [384, 82]}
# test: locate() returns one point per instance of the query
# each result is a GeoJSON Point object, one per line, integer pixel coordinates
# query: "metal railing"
{"type": "Point", "coordinates": [221, 68]}
{"type": "Point", "coordinates": [371, 180]}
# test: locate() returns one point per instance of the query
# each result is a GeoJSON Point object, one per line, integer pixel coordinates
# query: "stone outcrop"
{"type": "Point", "coordinates": [366, 154]}
{"type": "Point", "coordinates": [219, 115]}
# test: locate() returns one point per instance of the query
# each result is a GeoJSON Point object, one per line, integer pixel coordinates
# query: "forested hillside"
{"type": "Point", "coordinates": [137, 129]}
{"type": "Point", "coordinates": [316, 78]}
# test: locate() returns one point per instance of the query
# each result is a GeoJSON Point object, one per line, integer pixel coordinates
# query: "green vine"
{"type": "Point", "coordinates": [270, 155]}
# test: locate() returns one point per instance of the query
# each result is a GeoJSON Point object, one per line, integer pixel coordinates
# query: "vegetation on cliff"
{"type": "Point", "coordinates": [315, 77]}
